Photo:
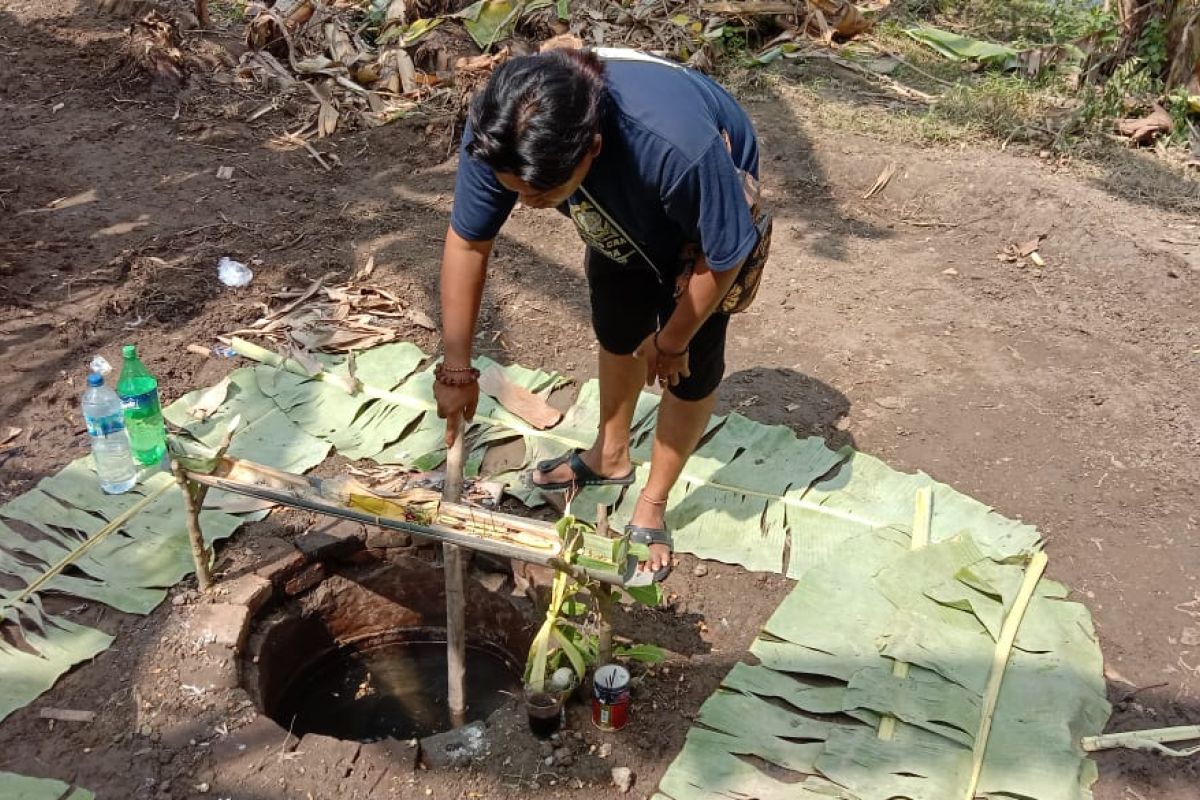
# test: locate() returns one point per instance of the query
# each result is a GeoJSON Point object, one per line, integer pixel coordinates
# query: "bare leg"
{"type": "Point", "coordinates": [621, 379]}
{"type": "Point", "coordinates": [681, 423]}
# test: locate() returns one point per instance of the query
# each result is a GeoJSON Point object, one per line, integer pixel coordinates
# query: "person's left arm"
{"type": "Point", "coordinates": [708, 202]}
{"type": "Point", "coordinates": [666, 352]}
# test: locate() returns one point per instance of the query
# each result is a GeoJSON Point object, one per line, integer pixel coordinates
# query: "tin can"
{"type": "Point", "coordinates": [610, 697]}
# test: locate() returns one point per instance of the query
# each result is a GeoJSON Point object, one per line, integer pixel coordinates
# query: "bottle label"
{"type": "Point", "coordinates": [146, 401]}
{"type": "Point", "coordinates": [105, 426]}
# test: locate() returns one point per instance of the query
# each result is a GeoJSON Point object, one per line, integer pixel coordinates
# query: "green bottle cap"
{"type": "Point", "coordinates": [129, 351]}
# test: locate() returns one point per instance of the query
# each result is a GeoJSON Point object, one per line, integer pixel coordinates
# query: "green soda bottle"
{"type": "Point", "coordinates": [138, 391]}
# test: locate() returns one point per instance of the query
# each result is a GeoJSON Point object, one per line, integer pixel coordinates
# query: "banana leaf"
{"type": "Point", "coordinates": [490, 21]}
{"type": "Point", "coordinates": [962, 48]}
{"type": "Point", "coordinates": [20, 787]}
{"type": "Point", "coordinates": [831, 649]}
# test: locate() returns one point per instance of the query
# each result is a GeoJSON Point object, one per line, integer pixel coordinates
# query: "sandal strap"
{"type": "Point", "coordinates": [642, 535]}
{"type": "Point", "coordinates": [583, 473]}
{"type": "Point", "coordinates": [558, 461]}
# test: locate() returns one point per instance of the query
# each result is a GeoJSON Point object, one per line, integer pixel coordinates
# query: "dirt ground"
{"type": "Point", "coordinates": [1063, 395]}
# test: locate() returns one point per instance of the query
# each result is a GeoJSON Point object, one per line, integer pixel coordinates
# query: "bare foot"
{"type": "Point", "coordinates": [660, 556]}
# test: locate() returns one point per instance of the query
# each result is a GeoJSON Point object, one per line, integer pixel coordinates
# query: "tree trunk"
{"type": "Point", "coordinates": [1181, 21]}
{"type": "Point", "coordinates": [1183, 47]}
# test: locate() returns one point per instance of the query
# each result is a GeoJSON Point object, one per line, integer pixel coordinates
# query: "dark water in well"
{"type": "Point", "coordinates": [393, 688]}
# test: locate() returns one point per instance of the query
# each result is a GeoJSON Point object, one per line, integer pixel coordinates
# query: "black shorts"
{"type": "Point", "coordinates": [629, 303]}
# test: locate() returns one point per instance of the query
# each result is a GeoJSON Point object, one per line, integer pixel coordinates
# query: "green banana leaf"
{"type": "Point", "coordinates": [56, 645]}
{"type": "Point", "coordinates": [20, 787]}
{"type": "Point", "coordinates": [131, 568]}
{"type": "Point", "coordinates": [962, 48]}
{"type": "Point", "coordinates": [831, 650]}
{"type": "Point", "coordinates": [490, 21]}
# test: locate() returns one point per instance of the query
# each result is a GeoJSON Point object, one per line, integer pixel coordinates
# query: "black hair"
{"type": "Point", "coordinates": [538, 116]}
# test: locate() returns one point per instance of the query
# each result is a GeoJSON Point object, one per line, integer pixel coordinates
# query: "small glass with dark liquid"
{"type": "Point", "coordinates": [545, 714]}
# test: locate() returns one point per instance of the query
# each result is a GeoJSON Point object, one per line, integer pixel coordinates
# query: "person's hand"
{"type": "Point", "coordinates": [667, 367]}
{"type": "Point", "coordinates": [456, 404]}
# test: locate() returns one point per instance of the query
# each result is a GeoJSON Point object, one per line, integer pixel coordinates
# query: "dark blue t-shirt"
{"type": "Point", "coordinates": [665, 173]}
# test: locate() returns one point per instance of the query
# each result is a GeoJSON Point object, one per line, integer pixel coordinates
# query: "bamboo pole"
{"type": "Point", "coordinates": [1004, 645]}
{"type": "Point", "coordinates": [1151, 740]}
{"type": "Point", "coordinates": [456, 641]}
{"type": "Point", "coordinates": [436, 532]}
{"type": "Point", "coordinates": [922, 523]}
{"type": "Point", "coordinates": [604, 600]}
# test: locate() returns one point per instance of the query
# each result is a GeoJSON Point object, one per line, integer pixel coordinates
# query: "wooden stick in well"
{"type": "Point", "coordinates": [456, 641]}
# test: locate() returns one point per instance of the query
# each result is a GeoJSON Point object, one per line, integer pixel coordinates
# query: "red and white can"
{"type": "Point", "coordinates": [610, 697]}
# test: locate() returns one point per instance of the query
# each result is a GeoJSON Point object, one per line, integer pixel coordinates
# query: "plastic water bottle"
{"type": "Point", "coordinates": [105, 420]}
{"type": "Point", "coordinates": [143, 415]}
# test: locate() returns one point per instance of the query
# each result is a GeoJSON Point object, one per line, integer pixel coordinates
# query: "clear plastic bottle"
{"type": "Point", "coordinates": [138, 390]}
{"type": "Point", "coordinates": [105, 418]}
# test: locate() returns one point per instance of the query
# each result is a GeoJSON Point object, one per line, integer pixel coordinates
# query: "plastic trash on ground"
{"type": "Point", "coordinates": [234, 273]}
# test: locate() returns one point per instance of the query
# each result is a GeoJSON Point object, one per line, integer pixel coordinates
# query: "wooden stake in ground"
{"type": "Point", "coordinates": [456, 640]}
{"type": "Point", "coordinates": [193, 499]}
{"type": "Point", "coordinates": [604, 598]}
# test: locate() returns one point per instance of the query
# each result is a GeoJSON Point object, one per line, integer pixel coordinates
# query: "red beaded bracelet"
{"type": "Point", "coordinates": [455, 376]}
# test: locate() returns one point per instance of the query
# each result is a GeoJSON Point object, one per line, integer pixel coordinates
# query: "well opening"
{"type": "Point", "coordinates": [362, 654]}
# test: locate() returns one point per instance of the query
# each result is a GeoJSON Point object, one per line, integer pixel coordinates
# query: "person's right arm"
{"type": "Point", "coordinates": [464, 269]}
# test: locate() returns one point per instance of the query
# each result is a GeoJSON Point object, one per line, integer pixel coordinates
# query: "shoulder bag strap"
{"type": "Point", "coordinates": [662, 278]}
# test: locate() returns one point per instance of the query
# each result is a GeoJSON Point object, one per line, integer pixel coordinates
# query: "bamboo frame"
{"type": "Point", "coordinates": [194, 493]}
{"type": "Point", "coordinates": [298, 496]}
{"type": "Point", "coordinates": [193, 501]}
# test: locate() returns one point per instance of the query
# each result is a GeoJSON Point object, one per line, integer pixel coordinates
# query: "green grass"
{"type": "Point", "coordinates": [1000, 106]}
{"type": "Point", "coordinates": [229, 11]}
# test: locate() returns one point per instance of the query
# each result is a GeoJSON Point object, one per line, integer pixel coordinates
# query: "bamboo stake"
{"type": "Point", "coordinates": [922, 522]}
{"type": "Point", "coordinates": [194, 493]}
{"type": "Point", "coordinates": [1151, 740]}
{"type": "Point", "coordinates": [604, 600]}
{"type": "Point", "coordinates": [456, 642]}
{"type": "Point", "coordinates": [193, 500]}
{"type": "Point", "coordinates": [1004, 645]}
